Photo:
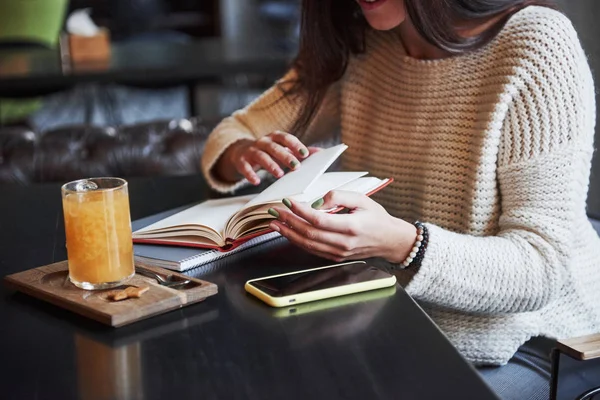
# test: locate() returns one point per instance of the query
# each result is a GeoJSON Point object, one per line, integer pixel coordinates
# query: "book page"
{"type": "Point", "coordinates": [363, 185]}
{"type": "Point", "coordinates": [191, 241]}
{"type": "Point", "coordinates": [205, 234]}
{"type": "Point", "coordinates": [212, 214]}
{"type": "Point", "coordinates": [298, 181]}
{"type": "Point", "coordinates": [325, 183]}
{"type": "Point", "coordinates": [349, 181]}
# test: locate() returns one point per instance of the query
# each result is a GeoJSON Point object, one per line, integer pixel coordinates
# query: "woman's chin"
{"type": "Point", "coordinates": [383, 15]}
{"type": "Point", "coordinates": [384, 23]}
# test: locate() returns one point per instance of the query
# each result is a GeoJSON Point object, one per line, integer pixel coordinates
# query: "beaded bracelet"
{"type": "Point", "coordinates": [415, 258]}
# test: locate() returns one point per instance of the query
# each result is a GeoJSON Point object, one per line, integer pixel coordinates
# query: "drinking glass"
{"type": "Point", "coordinates": [98, 231]}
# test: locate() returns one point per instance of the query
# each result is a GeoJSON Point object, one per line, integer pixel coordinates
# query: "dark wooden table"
{"type": "Point", "coordinates": [33, 71]}
{"type": "Point", "coordinates": [230, 346]}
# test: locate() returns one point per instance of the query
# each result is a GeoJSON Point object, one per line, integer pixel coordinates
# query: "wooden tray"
{"type": "Point", "coordinates": [51, 283]}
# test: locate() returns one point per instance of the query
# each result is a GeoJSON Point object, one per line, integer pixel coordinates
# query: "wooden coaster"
{"type": "Point", "coordinates": [51, 283]}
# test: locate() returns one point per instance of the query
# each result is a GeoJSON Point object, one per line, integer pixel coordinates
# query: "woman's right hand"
{"type": "Point", "coordinates": [273, 153]}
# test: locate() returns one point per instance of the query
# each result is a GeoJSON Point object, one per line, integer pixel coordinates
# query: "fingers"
{"type": "Point", "coordinates": [316, 226]}
{"type": "Point", "coordinates": [233, 162]}
{"type": "Point", "coordinates": [257, 157]}
{"type": "Point", "coordinates": [273, 153]}
{"type": "Point", "coordinates": [284, 148]}
{"type": "Point", "coordinates": [325, 221]}
{"type": "Point", "coordinates": [346, 199]}
{"type": "Point", "coordinates": [339, 253]}
{"type": "Point", "coordinates": [313, 241]}
{"type": "Point", "coordinates": [265, 149]}
{"type": "Point", "coordinates": [313, 232]}
{"type": "Point", "coordinates": [247, 171]}
{"type": "Point", "coordinates": [298, 149]}
{"type": "Point", "coordinates": [322, 220]}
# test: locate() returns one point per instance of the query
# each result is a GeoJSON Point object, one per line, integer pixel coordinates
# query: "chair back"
{"type": "Point", "coordinates": [31, 21]}
{"type": "Point", "coordinates": [576, 369]}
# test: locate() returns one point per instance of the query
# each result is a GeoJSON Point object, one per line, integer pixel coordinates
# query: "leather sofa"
{"type": "Point", "coordinates": [149, 149]}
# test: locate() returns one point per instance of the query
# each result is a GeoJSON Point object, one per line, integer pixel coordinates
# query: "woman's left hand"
{"type": "Point", "coordinates": [366, 231]}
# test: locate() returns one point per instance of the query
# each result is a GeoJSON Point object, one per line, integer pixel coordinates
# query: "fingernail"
{"type": "Point", "coordinates": [273, 212]}
{"type": "Point", "coordinates": [303, 152]}
{"type": "Point", "coordinates": [287, 203]}
{"type": "Point", "coordinates": [294, 164]}
{"type": "Point", "coordinates": [274, 227]}
{"type": "Point", "coordinates": [318, 203]}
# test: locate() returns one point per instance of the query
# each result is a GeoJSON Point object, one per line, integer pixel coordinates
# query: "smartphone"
{"type": "Point", "coordinates": [319, 283]}
{"type": "Point", "coordinates": [334, 302]}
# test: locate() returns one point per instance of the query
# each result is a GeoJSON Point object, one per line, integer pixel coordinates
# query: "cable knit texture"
{"type": "Point", "coordinates": [493, 150]}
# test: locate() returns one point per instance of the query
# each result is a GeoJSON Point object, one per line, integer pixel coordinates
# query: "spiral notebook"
{"type": "Point", "coordinates": [183, 258]}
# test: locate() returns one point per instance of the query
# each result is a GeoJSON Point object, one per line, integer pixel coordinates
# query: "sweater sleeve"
{"type": "Point", "coordinates": [269, 112]}
{"type": "Point", "coordinates": [543, 163]}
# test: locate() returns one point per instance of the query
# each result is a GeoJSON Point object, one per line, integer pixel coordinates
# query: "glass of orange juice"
{"type": "Point", "coordinates": [98, 230]}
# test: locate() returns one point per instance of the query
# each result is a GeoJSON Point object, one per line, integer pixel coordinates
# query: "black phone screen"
{"type": "Point", "coordinates": [326, 278]}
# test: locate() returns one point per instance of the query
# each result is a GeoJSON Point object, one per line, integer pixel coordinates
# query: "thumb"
{"type": "Point", "coordinates": [343, 199]}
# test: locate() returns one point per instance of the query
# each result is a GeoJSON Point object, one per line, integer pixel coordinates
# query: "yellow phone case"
{"type": "Point", "coordinates": [317, 294]}
{"type": "Point", "coordinates": [334, 302]}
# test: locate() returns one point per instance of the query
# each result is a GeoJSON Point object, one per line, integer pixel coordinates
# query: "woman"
{"type": "Point", "coordinates": [483, 112]}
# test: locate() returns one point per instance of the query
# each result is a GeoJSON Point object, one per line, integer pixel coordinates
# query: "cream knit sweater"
{"type": "Point", "coordinates": [492, 149]}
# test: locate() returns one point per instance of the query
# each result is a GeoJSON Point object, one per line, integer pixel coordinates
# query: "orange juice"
{"type": "Point", "coordinates": [98, 231]}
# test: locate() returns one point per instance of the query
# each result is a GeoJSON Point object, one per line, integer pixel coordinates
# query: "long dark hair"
{"type": "Point", "coordinates": [334, 30]}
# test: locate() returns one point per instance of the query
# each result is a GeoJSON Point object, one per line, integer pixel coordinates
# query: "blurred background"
{"type": "Point", "coordinates": [139, 97]}
{"type": "Point", "coordinates": [584, 14]}
{"type": "Point", "coordinates": [149, 42]}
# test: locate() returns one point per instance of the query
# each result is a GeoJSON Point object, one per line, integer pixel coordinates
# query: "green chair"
{"type": "Point", "coordinates": [32, 21]}
{"type": "Point", "coordinates": [28, 22]}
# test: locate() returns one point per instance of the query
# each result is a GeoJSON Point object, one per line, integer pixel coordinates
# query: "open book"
{"type": "Point", "coordinates": [226, 223]}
